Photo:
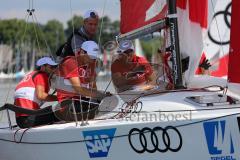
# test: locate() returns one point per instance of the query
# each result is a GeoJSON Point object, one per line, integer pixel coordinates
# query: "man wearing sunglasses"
{"type": "Point", "coordinates": [128, 69]}
{"type": "Point", "coordinates": [77, 78]}
{"type": "Point", "coordinates": [32, 91]}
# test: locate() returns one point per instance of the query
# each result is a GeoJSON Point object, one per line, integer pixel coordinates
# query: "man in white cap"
{"type": "Point", "coordinates": [86, 32]}
{"type": "Point", "coordinates": [32, 91]}
{"type": "Point", "coordinates": [77, 77]}
{"type": "Point", "coordinates": [128, 69]}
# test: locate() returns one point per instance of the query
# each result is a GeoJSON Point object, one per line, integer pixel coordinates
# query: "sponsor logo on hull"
{"type": "Point", "coordinates": [219, 140]}
{"type": "Point", "coordinates": [155, 139]}
{"type": "Point", "coordinates": [98, 142]}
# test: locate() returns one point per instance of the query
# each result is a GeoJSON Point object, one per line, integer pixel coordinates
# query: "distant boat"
{"type": "Point", "coordinates": [17, 75]}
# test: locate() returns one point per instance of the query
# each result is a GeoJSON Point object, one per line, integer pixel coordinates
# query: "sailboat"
{"type": "Point", "coordinates": [195, 120]}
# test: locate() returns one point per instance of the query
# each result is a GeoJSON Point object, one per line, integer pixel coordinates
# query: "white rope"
{"type": "Point", "coordinates": [95, 64]}
{"type": "Point", "coordinates": [102, 20]}
{"type": "Point", "coordinates": [218, 32]}
{"type": "Point", "coordinates": [13, 70]}
{"type": "Point", "coordinates": [39, 28]}
{"type": "Point", "coordinates": [35, 30]}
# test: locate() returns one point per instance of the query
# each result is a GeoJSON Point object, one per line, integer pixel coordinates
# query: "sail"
{"type": "Point", "coordinates": [135, 14]}
{"type": "Point", "coordinates": [192, 22]}
{"type": "Point", "coordinates": [234, 56]}
{"type": "Point", "coordinates": [216, 42]}
{"type": "Point", "coordinates": [192, 25]}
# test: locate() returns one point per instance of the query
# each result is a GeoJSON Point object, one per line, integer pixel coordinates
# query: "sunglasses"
{"type": "Point", "coordinates": [50, 66]}
{"type": "Point", "coordinates": [93, 15]}
{"type": "Point", "coordinates": [128, 52]}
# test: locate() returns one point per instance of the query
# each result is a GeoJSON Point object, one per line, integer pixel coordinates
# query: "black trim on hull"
{"type": "Point", "coordinates": [17, 109]}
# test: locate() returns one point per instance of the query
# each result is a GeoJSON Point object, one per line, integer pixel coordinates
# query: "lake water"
{"type": "Point", "coordinates": [7, 87]}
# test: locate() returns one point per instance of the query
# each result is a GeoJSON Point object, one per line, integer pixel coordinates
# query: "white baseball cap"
{"type": "Point", "coordinates": [46, 60]}
{"type": "Point", "coordinates": [124, 46]}
{"type": "Point", "coordinates": [91, 48]}
{"type": "Point", "coordinates": [90, 14]}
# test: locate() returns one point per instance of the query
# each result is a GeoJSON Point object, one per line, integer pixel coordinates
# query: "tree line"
{"type": "Point", "coordinates": [28, 37]}
{"type": "Point", "coordinates": [48, 37]}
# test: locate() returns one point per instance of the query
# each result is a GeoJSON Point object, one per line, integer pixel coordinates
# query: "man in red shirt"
{"type": "Point", "coordinates": [76, 80]}
{"type": "Point", "coordinates": [130, 70]}
{"type": "Point", "coordinates": [32, 91]}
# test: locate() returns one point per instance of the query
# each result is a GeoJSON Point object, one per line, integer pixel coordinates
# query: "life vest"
{"type": "Point", "coordinates": [25, 95]}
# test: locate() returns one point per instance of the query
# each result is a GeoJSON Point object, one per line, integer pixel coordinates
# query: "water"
{"type": "Point", "coordinates": [7, 90]}
{"type": "Point", "coordinates": [6, 96]}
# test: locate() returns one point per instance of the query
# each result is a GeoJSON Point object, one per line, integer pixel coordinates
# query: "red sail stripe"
{"type": "Point", "coordinates": [234, 54]}
{"type": "Point", "coordinates": [198, 10]}
{"type": "Point", "coordinates": [222, 67]}
{"type": "Point", "coordinates": [133, 13]}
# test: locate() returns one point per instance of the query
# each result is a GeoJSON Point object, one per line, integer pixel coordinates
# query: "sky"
{"type": "Point", "coordinates": [46, 10]}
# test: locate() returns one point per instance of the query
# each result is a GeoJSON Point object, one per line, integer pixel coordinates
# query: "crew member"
{"type": "Point", "coordinates": [77, 79]}
{"type": "Point", "coordinates": [86, 32]}
{"type": "Point", "coordinates": [32, 92]}
{"type": "Point", "coordinates": [128, 69]}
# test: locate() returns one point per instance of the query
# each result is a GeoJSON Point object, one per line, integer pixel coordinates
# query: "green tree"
{"type": "Point", "coordinates": [73, 23]}
{"type": "Point", "coordinates": [53, 35]}
{"type": "Point", "coordinates": [109, 30]}
{"type": "Point", "coordinates": [11, 31]}
{"type": "Point", "coordinates": [150, 46]}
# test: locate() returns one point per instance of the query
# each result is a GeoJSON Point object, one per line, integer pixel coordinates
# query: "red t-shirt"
{"type": "Point", "coordinates": [72, 67]}
{"type": "Point", "coordinates": [30, 101]}
{"type": "Point", "coordinates": [138, 66]}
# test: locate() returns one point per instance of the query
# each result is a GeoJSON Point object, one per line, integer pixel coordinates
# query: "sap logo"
{"type": "Point", "coordinates": [219, 140]}
{"type": "Point", "coordinates": [98, 142]}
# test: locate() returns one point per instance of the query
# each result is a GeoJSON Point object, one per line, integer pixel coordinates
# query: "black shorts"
{"type": "Point", "coordinates": [36, 120]}
{"type": "Point", "coordinates": [83, 109]}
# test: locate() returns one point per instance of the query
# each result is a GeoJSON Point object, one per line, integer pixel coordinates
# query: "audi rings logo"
{"type": "Point", "coordinates": [226, 16]}
{"type": "Point", "coordinates": [156, 136]}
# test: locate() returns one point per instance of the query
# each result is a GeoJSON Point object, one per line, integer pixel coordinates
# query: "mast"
{"type": "Point", "coordinates": [176, 56]}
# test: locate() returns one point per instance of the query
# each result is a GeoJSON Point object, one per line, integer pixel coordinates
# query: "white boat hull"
{"type": "Point", "coordinates": [199, 135]}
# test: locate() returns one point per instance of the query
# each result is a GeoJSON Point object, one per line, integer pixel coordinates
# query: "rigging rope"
{"type": "Point", "coordinates": [30, 12]}
{"type": "Point", "coordinates": [99, 42]}
{"type": "Point", "coordinates": [219, 36]}
{"type": "Point", "coordinates": [45, 41]}
{"type": "Point", "coordinates": [15, 67]}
